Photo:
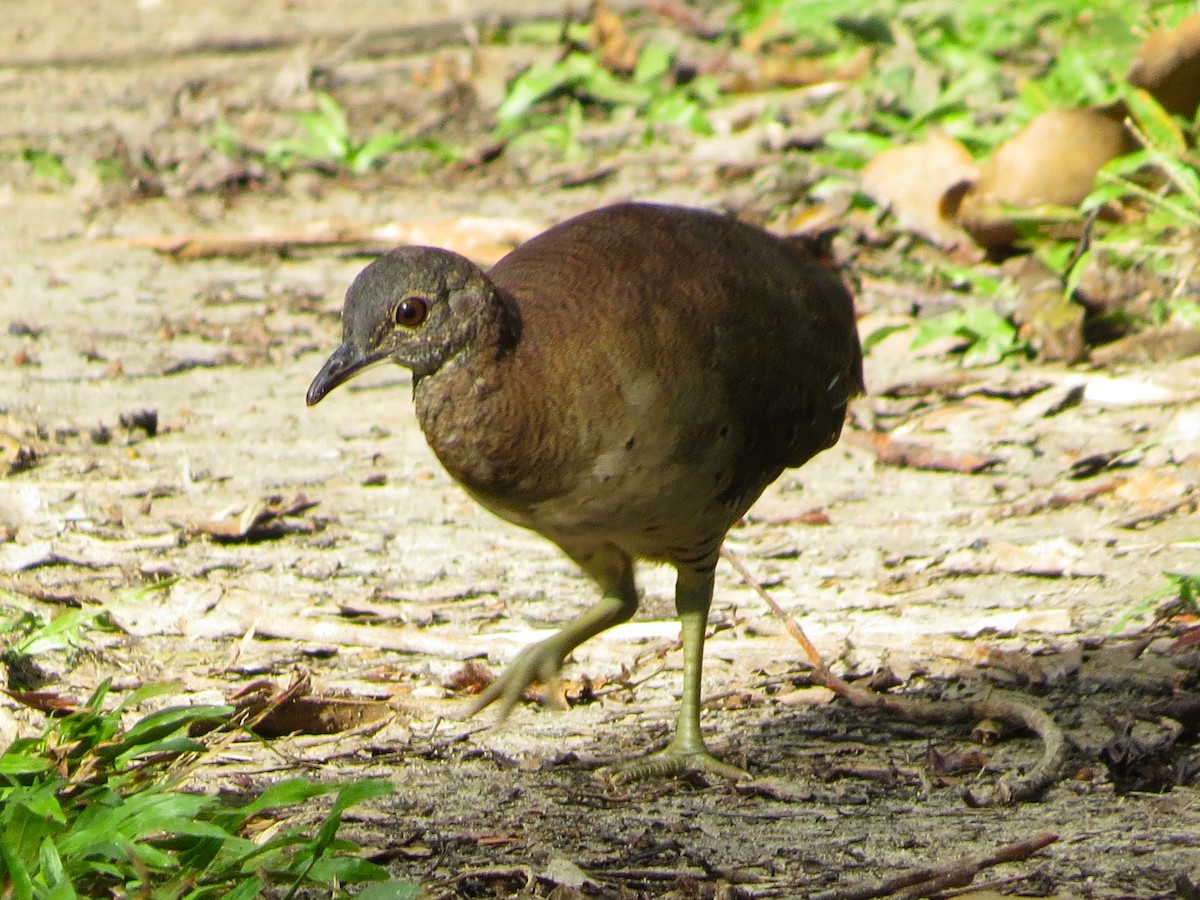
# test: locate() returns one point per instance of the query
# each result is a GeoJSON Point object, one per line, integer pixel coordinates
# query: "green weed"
{"type": "Point", "coordinates": [327, 143]}
{"type": "Point", "coordinates": [327, 140]}
{"type": "Point", "coordinates": [986, 336]}
{"type": "Point", "coordinates": [46, 164]}
{"type": "Point", "coordinates": [1182, 594]}
{"type": "Point", "coordinates": [93, 808]}
{"type": "Point", "coordinates": [651, 92]}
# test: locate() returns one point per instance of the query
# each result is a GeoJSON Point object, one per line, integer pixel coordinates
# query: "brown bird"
{"type": "Point", "coordinates": [626, 384]}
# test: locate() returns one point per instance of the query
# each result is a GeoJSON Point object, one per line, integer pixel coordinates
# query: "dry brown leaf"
{"type": "Point", "coordinates": [47, 702]}
{"type": "Point", "coordinates": [799, 71]}
{"type": "Point", "coordinates": [294, 710]}
{"type": "Point", "coordinates": [911, 455]}
{"type": "Point", "coordinates": [955, 762]}
{"type": "Point", "coordinates": [482, 239]}
{"type": "Point", "coordinates": [815, 516]}
{"type": "Point", "coordinates": [807, 696]}
{"type": "Point", "coordinates": [262, 520]}
{"type": "Point", "coordinates": [472, 678]}
{"type": "Point", "coordinates": [1052, 161]}
{"type": "Point", "coordinates": [618, 52]}
{"type": "Point", "coordinates": [1153, 489]}
{"type": "Point", "coordinates": [915, 180]}
{"type": "Point", "coordinates": [1053, 558]}
{"type": "Point", "coordinates": [1167, 66]}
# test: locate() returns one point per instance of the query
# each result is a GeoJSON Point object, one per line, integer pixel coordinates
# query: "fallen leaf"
{"type": "Point", "coordinates": [1053, 161]}
{"type": "Point", "coordinates": [809, 696]}
{"type": "Point", "coordinates": [48, 702]}
{"type": "Point", "coordinates": [618, 52]}
{"type": "Point", "coordinates": [260, 521]}
{"type": "Point", "coordinates": [913, 181]}
{"type": "Point", "coordinates": [561, 872]}
{"type": "Point", "coordinates": [171, 611]}
{"type": "Point", "coordinates": [472, 678]}
{"type": "Point", "coordinates": [953, 762]}
{"type": "Point", "coordinates": [1153, 489]}
{"type": "Point", "coordinates": [789, 70]}
{"type": "Point", "coordinates": [911, 455]}
{"type": "Point", "coordinates": [1047, 404]}
{"type": "Point", "coordinates": [294, 710]}
{"type": "Point", "coordinates": [1052, 558]}
{"type": "Point", "coordinates": [1167, 66]}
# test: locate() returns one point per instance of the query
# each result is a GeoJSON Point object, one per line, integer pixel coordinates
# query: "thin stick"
{"type": "Point", "coordinates": [1011, 788]}
{"type": "Point", "coordinates": [792, 626]}
{"type": "Point", "coordinates": [923, 882]}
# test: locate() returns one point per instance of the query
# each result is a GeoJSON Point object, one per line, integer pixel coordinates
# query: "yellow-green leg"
{"type": "Point", "coordinates": [686, 752]}
{"type": "Point", "coordinates": [613, 571]}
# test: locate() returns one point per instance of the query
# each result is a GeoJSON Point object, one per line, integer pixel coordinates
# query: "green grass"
{"type": "Point", "coordinates": [46, 164]}
{"type": "Point", "coordinates": [651, 93]}
{"type": "Point", "coordinates": [1161, 181]}
{"type": "Point", "coordinates": [979, 75]}
{"type": "Point", "coordinates": [326, 143]}
{"type": "Point", "coordinates": [93, 807]}
{"type": "Point", "coordinates": [1180, 596]}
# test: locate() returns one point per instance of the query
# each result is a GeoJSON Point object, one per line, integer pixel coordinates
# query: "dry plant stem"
{"type": "Point", "coordinates": [923, 882]}
{"type": "Point", "coordinates": [243, 723]}
{"type": "Point", "coordinates": [1011, 788]}
{"type": "Point", "coordinates": [1157, 515]}
{"type": "Point", "coordinates": [400, 640]}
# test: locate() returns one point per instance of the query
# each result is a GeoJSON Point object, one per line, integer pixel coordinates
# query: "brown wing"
{"type": "Point", "coordinates": [700, 299]}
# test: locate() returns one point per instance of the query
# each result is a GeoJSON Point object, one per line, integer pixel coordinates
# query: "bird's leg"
{"type": "Point", "coordinates": [686, 751]}
{"type": "Point", "coordinates": [612, 569]}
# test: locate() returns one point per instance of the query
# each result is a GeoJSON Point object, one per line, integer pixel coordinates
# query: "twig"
{"type": "Point", "coordinates": [1006, 707]}
{"type": "Point", "coordinates": [911, 455]}
{"type": "Point", "coordinates": [482, 239]}
{"type": "Point", "coordinates": [262, 623]}
{"type": "Point", "coordinates": [1155, 516]}
{"type": "Point", "coordinates": [792, 626]}
{"type": "Point", "coordinates": [923, 882]}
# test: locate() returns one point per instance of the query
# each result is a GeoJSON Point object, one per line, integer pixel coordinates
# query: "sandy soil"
{"type": "Point", "coordinates": [1014, 577]}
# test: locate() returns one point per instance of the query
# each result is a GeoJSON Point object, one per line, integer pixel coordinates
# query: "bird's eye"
{"type": "Point", "coordinates": [410, 312]}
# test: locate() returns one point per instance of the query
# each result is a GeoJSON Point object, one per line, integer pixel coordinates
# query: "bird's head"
{"type": "Point", "coordinates": [414, 306]}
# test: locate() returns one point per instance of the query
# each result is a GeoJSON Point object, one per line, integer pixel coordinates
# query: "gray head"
{"type": "Point", "coordinates": [414, 306]}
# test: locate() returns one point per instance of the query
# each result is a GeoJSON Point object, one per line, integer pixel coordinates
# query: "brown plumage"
{"type": "Point", "coordinates": [626, 384]}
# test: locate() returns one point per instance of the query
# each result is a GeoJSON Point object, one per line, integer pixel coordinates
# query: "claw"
{"type": "Point", "coordinates": [540, 663]}
{"type": "Point", "coordinates": [676, 760]}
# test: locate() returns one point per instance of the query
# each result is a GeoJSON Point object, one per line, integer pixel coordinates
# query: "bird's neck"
{"type": "Point", "coordinates": [473, 410]}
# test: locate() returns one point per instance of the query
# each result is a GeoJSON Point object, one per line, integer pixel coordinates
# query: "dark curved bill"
{"type": "Point", "coordinates": [343, 365]}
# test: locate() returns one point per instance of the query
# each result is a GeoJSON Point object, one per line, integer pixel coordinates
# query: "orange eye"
{"type": "Point", "coordinates": [410, 312]}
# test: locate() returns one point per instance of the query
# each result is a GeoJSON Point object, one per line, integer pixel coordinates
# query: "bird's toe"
{"type": "Point", "coordinates": [539, 664]}
{"type": "Point", "coordinates": [676, 761]}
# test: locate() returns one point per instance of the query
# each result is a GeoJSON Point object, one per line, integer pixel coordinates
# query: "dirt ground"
{"type": "Point", "coordinates": [1016, 576]}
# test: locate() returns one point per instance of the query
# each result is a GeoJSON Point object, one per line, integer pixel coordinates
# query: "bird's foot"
{"type": "Point", "coordinates": [539, 663]}
{"type": "Point", "coordinates": [676, 759]}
